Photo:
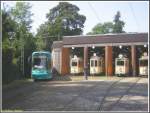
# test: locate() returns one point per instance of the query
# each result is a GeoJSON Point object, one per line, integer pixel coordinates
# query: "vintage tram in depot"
{"type": "Point", "coordinates": [121, 65]}
{"type": "Point", "coordinates": [96, 64]}
{"type": "Point", "coordinates": [41, 65]}
{"type": "Point", "coordinates": [76, 65]}
{"type": "Point", "coordinates": [143, 65]}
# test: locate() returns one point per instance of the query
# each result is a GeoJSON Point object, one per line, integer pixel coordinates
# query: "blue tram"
{"type": "Point", "coordinates": [41, 65]}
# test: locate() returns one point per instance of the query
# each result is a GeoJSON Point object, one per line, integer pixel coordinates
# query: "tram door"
{"type": "Point", "coordinates": [143, 65]}
{"type": "Point", "coordinates": [93, 66]}
{"type": "Point", "coordinates": [121, 65]}
{"type": "Point", "coordinates": [96, 65]}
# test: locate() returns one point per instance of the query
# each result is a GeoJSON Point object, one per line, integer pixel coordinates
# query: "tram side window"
{"type": "Point", "coordinates": [95, 63]}
{"type": "Point", "coordinates": [74, 63]}
{"type": "Point", "coordinates": [120, 63]}
{"type": "Point", "coordinates": [143, 62]}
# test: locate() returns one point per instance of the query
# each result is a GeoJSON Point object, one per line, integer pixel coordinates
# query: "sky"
{"type": "Point", "coordinates": [134, 14]}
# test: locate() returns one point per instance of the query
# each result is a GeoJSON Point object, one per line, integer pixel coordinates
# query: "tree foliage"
{"type": "Point", "coordinates": [21, 14]}
{"type": "Point", "coordinates": [109, 27]}
{"type": "Point", "coordinates": [8, 25]}
{"type": "Point", "coordinates": [64, 19]}
{"type": "Point", "coordinates": [104, 28]}
{"type": "Point", "coordinates": [118, 24]}
{"type": "Point", "coordinates": [16, 35]}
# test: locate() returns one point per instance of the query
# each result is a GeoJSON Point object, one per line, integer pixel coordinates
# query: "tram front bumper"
{"type": "Point", "coordinates": [41, 75]}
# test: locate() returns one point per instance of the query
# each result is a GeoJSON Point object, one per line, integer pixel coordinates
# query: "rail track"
{"type": "Point", "coordinates": [88, 89]}
{"type": "Point", "coordinates": [108, 91]}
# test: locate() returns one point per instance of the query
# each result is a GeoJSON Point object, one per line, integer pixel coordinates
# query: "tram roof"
{"type": "Point", "coordinates": [76, 58]}
{"type": "Point", "coordinates": [95, 57]}
{"type": "Point", "coordinates": [40, 52]}
{"type": "Point", "coordinates": [102, 39]}
{"type": "Point", "coordinates": [124, 58]}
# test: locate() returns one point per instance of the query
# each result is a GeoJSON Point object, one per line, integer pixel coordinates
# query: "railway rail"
{"type": "Point", "coordinates": [104, 106]}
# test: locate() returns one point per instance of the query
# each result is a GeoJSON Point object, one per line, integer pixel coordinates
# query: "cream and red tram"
{"type": "Point", "coordinates": [96, 64]}
{"type": "Point", "coordinates": [76, 65]}
{"type": "Point", "coordinates": [121, 65]}
{"type": "Point", "coordinates": [143, 65]}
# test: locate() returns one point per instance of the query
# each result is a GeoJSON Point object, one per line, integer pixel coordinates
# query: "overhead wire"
{"type": "Point", "coordinates": [90, 5]}
{"type": "Point", "coordinates": [133, 13]}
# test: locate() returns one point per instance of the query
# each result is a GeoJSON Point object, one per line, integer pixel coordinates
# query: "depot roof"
{"type": "Point", "coordinates": [102, 40]}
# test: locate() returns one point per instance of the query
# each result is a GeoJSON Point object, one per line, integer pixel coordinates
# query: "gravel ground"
{"type": "Point", "coordinates": [104, 94]}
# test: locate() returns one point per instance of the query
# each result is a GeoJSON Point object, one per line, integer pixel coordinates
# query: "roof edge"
{"type": "Point", "coordinates": [108, 34]}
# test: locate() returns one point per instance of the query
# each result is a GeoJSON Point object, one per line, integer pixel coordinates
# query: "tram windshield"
{"type": "Point", "coordinates": [40, 63]}
{"type": "Point", "coordinates": [94, 63]}
{"type": "Point", "coordinates": [74, 63]}
{"type": "Point", "coordinates": [120, 63]}
{"type": "Point", "coordinates": [143, 62]}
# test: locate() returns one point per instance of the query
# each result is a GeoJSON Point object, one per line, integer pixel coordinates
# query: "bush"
{"type": "Point", "coordinates": [10, 70]}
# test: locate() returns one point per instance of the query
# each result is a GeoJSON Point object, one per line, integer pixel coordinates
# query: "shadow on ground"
{"type": "Point", "coordinates": [73, 96]}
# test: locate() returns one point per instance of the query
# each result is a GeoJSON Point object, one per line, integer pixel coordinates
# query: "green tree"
{"type": "Point", "coordinates": [43, 32]}
{"type": "Point", "coordinates": [17, 20]}
{"type": "Point", "coordinates": [66, 20]}
{"type": "Point", "coordinates": [108, 27]}
{"type": "Point", "coordinates": [8, 24]}
{"type": "Point", "coordinates": [40, 45]}
{"type": "Point", "coordinates": [21, 14]}
{"type": "Point", "coordinates": [100, 28]}
{"type": "Point", "coordinates": [29, 47]}
{"type": "Point", "coordinates": [63, 20]}
{"type": "Point", "coordinates": [8, 27]}
{"type": "Point", "coordinates": [118, 24]}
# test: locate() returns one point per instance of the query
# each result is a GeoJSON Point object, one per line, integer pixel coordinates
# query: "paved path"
{"type": "Point", "coordinates": [115, 94]}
